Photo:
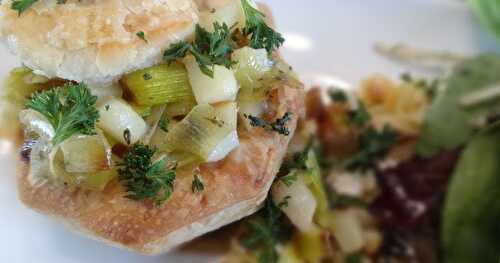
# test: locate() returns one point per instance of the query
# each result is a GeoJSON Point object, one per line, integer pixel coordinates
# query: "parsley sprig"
{"type": "Point", "coordinates": [208, 48]}
{"type": "Point", "coordinates": [144, 179]}
{"type": "Point", "coordinates": [266, 231]}
{"type": "Point", "coordinates": [69, 109]}
{"type": "Point", "coordinates": [260, 34]}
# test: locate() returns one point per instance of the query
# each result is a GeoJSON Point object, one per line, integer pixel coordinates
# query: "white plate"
{"type": "Point", "coordinates": [329, 42]}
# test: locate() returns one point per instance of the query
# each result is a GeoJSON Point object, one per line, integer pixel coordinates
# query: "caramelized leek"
{"type": "Point", "coordinates": [198, 134]}
{"type": "Point", "coordinates": [301, 204]}
{"type": "Point", "coordinates": [83, 153]}
{"type": "Point", "coordinates": [83, 161]}
{"type": "Point", "coordinates": [252, 66]}
{"type": "Point", "coordinates": [180, 109]}
{"type": "Point", "coordinates": [160, 84]}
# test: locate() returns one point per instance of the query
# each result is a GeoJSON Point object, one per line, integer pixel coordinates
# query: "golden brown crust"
{"type": "Point", "coordinates": [243, 175]}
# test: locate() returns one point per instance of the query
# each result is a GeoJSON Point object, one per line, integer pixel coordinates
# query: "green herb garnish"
{"type": "Point", "coordinates": [260, 34]}
{"type": "Point", "coordinates": [289, 179]}
{"type": "Point", "coordinates": [360, 116]}
{"type": "Point", "coordinates": [209, 49]}
{"type": "Point", "coordinates": [373, 145]}
{"type": "Point", "coordinates": [338, 95]}
{"type": "Point", "coordinates": [278, 126]}
{"type": "Point", "coordinates": [197, 185]}
{"type": "Point", "coordinates": [147, 76]}
{"type": "Point", "coordinates": [265, 232]}
{"type": "Point", "coordinates": [22, 5]}
{"type": "Point", "coordinates": [145, 179]}
{"type": "Point", "coordinates": [142, 36]}
{"type": "Point", "coordinates": [69, 109]}
{"type": "Point", "coordinates": [163, 124]}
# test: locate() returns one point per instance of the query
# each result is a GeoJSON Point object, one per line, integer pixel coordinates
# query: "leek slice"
{"type": "Point", "coordinates": [83, 161]}
{"type": "Point", "coordinates": [301, 203]}
{"type": "Point", "coordinates": [222, 87]}
{"type": "Point", "coordinates": [17, 89]}
{"type": "Point", "coordinates": [198, 134]}
{"type": "Point", "coordinates": [347, 230]}
{"type": "Point", "coordinates": [315, 184]}
{"type": "Point", "coordinates": [117, 117]}
{"type": "Point", "coordinates": [152, 121]}
{"type": "Point", "coordinates": [160, 84]}
{"type": "Point", "coordinates": [36, 125]}
{"type": "Point", "coordinates": [179, 109]}
{"type": "Point", "coordinates": [252, 66]}
{"type": "Point", "coordinates": [85, 154]}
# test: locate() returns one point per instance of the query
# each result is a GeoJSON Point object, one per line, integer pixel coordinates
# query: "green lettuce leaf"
{"type": "Point", "coordinates": [448, 124]}
{"type": "Point", "coordinates": [488, 12]}
{"type": "Point", "coordinates": [470, 226]}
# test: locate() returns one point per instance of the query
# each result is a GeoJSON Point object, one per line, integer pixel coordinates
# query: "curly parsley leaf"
{"type": "Point", "coordinates": [69, 109]}
{"type": "Point", "coordinates": [373, 145]}
{"type": "Point", "coordinates": [261, 35]}
{"type": "Point", "coordinates": [22, 5]}
{"type": "Point", "coordinates": [208, 48]}
{"type": "Point", "coordinates": [278, 126]}
{"type": "Point", "coordinates": [144, 179]}
{"type": "Point", "coordinates": [266, 231]}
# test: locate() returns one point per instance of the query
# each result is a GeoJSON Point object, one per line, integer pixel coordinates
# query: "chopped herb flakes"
{"type": "Point", "coordinates": [278, 126]}
{"type": "Point", "coordinates": [197, 185]}
{"type": "Point", "coordinates": [147, 76]}
{"type": "Point", "coordinates": [142, 36]}
{"type": "Point", "coordinates": [163, 124]}
{"type": "Point", "coordinates": [145, 179]}
{"type": "Point", "coordinates": [127, 136]}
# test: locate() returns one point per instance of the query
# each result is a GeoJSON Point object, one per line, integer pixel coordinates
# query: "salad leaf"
{"type": "Point", "coordinates": [488, 12]}
{"type": "Point", "coordinates": [470, 231]}
{"type": "Point", "coordinates": [448, 124]}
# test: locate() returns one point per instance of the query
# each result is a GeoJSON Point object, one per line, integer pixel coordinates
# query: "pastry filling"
{"type": "Point", "coordinates": [186, 111]}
